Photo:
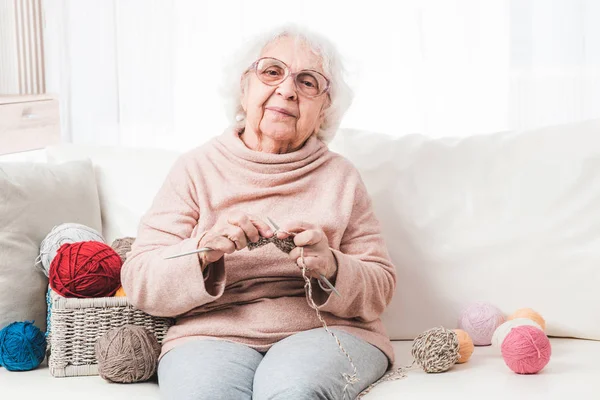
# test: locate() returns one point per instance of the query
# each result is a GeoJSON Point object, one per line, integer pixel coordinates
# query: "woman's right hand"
{"type": "Point", "coordinates": [232, 232]}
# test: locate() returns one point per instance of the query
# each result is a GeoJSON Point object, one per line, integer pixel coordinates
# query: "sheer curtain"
{"type": "Point", "coordinates": [148, 72]}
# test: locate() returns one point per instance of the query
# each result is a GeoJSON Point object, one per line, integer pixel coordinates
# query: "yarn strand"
{"type": "Point", "coordinates": [350, 379]}
{"type": "Point", "coordinates": [393, 375]}
{"type": "Point", "coordinates": [353, 378]}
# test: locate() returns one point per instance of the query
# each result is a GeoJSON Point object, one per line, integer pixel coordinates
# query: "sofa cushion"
{"type": "Point", "coordinates": [571, 374]}
{"type": "Point", "coordinates": [35, 197]}
{"type": "Point", "coordinates": [128, 179]}
{"type": "Point", "coordinates": [508, 218]}
{"type": "Point", "coordinates": [511, 218]}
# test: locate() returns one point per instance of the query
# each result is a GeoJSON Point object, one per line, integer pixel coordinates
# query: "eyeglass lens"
{"type": "Point", "coordinates": [272, 72]}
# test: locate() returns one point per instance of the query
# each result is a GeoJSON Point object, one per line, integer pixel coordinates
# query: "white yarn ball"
{"type": "Point", "coordinates": [61, 234]}
{"type": "Point", "coordinates": [503, 330]}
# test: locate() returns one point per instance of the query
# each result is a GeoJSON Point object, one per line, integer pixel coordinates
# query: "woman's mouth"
{"type": "Point", "coordinates": [282, 111]}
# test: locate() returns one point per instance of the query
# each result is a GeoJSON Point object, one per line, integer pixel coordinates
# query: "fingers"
{"type": "Point", "coordinates": [314, 265]}
{"type": "Point", "coordinates": [251, 225]}
{"type": "Point", "coordinates": [263, 228]}
{"type": "Point", "coordinates": [294, 227]}
{"type": "Point", "coordinates": [309, 251]}
{"type": "Point", "coordinates": [313, 259]}
{"type": "Point", "coordinates": [309, 237]}
{"type": "Point", "coordinates": [237, 235]}
{"type": "Point", "coordinates": [220, 245]}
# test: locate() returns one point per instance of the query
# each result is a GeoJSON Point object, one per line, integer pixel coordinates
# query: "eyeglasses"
{"type": "Point", "coordinates": [272, 72]}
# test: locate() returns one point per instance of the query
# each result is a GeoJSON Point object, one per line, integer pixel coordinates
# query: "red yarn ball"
{"type": "Point", "coordinates": [85, 269]}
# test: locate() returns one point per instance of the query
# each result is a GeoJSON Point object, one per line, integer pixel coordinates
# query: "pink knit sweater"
{"type": "Point", "coordinates": [258, 297]}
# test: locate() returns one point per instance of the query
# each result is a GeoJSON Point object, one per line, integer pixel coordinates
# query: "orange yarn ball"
{"type": "Point", "coordinates": [466, 347]}
{"type": "Point", "coordinates": [120, 292]}
{"type": "Point", "coordinates": [530, 314]}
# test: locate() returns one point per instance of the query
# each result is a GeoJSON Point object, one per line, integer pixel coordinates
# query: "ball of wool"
{"type": "Point", "coordinates": [503, 330]}
{"type": "Point", "coordinates": [120, 292]}
{"type": "Point", "coordinates": [465, 346]}
{"type": "Point", "coordinates": [127, 354]}
{"type": "Point", "coordinates": [85, 269]}
{"type": "Point", "coordinates": [526, 349]}
{"type": "Point", "coordinates": [22, 346]}
{"type": "Point", "coordinates": [530, 314]}
{"type": "Point", "coordinates": [122, 246]}
{"type": "Point", "coordinates": [61, 234]}
{"type": "Point", "coordinates": [436, 350]}
{"type": "Point", "coordinates": [480, 320]}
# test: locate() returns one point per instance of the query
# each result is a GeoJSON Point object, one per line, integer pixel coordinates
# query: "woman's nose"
{"type": "Point", "coordinates": [287, 89]}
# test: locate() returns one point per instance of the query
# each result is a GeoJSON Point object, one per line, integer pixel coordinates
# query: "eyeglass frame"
{"type": "Point", "coordinates": [292, 74]}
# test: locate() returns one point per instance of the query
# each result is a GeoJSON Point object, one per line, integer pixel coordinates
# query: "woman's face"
{"type": "Point", "coordinates": [279, 113]}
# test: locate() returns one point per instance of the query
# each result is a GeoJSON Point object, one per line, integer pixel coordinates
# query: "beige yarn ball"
{"type": "Point", "coordinates": [127, 354]}
{"type": "Point", "coordinates": [436, 350]}
{"type": "Point", "coordinates": [465, 346]}
{"type": "Point", "coordinates": [122, 246]}
{"type": "Point", "coordinates": [530, 314]}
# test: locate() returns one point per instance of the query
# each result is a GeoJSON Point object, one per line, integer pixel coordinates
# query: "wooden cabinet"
{"type": "Point", "coordinates": [28, 123]}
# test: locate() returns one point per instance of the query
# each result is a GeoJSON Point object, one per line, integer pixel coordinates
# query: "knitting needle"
{"type": "Point", "coordinates": [203, 249]}
{"type": "Point", "coordinates": [323, 278]}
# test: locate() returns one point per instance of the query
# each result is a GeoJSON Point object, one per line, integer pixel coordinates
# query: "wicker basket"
{"type": "Point", "coordinates": [76, 324]}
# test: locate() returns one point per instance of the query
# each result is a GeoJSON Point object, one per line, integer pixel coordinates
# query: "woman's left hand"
{"type": "Point", "coordinates": [318, 257]}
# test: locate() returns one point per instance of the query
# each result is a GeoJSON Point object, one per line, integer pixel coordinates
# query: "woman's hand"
{"type": "Point", "coordinates": [318, 257]}
{"type": "Point", "coordinates": [232, 232]}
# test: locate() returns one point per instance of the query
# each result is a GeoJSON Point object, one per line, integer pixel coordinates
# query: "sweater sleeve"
{"type": "Point", "coordinates": [172, 287]}
{"type": "Point", "coordinates": [366, 277]}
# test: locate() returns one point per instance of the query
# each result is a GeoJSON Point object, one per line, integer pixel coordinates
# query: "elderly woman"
{"type": "Point", "coordinates": [245, 327]}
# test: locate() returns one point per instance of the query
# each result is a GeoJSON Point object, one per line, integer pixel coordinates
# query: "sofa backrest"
{"type": "Point", "coordinates": [512, 218]}
{"type": "Point", "coordinates": [127, 178]}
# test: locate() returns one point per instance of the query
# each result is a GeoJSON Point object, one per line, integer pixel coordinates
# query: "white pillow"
{"type": "Point", "coordinates": [511, 218]}
{"type": "Point", "coordinates": [128, 180]}
{"type": "Point", "coordinates": [34, 198]}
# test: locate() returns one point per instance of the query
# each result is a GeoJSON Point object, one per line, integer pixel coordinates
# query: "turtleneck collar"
{"type": "Point", "coordinates": [232, 147]}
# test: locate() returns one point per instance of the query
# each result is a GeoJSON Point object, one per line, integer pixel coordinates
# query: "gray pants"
{"type": "Point", "coordinates": [307, 365]}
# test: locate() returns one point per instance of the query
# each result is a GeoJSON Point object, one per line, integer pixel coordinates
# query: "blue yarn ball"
{"type": "Point", "coordinates": [22, 346]}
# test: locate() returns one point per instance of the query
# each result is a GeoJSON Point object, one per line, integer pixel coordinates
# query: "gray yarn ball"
{"type": "Point", "coordinates": [436, 350]}
{"type": "Point", "coordinates": [61, 234]}
{"type": "Point", "coordinates": [122, 246]}
{"type": "Point", "coordinates": [127, 354]}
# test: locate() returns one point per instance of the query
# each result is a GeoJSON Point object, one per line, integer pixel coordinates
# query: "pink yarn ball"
{"type": "Point", "coordinates": [526, 349]}
{"type": "Point", "coordinates": [480, 320]}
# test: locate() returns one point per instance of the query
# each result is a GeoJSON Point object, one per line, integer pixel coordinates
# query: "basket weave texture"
{"type": "Point", "coordinates": [76, 324]}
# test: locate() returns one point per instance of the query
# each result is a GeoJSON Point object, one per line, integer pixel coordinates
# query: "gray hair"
{"type": "Point", "coordinates": [340, 93]}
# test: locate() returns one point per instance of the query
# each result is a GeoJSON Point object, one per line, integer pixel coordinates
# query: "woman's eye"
{"type": "Point", "coordinates": [308, 84]}
{"type": "Point", "coordinates": [272, 72]}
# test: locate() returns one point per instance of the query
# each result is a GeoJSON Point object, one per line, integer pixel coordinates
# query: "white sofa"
{"type": "Point", "coordinates": [512, 218]}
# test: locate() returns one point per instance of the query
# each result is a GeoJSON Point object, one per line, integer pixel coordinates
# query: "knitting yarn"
{"type": "Point", "coordinates": [120, 292]}
{"type": "Point", "coordinates": [127, 354]}
{"type": "Point", "coordinates": [436, 350]}
{"type": "Point", "coordinates": [22, 346]}
{"type": "Point", "coordinates": [85, 269]}
{"type": "Point", "coordinates": [59, 235]}
{"type": "Point", "coordinates": [503, 330]}
{"type": "Point", "coordinates": [480, 320]}
{"type": "Point", "coordinates": [285, 245]}
{"type": "Point", "coordinates": [526, 349]}
{"type": "Point", "coordinates": [465, 346]}
{"type": "Point", "coordinates": [122, 246]}
{"type": "Point", "coordinates": [530, 314]}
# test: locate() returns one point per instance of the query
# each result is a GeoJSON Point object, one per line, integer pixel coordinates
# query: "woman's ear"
{"type": "Point", "coordinates": [243, 92]}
